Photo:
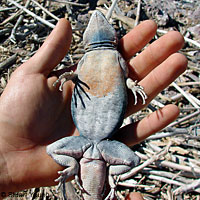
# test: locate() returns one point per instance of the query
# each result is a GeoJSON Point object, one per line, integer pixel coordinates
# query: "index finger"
{"type": "Point", "coordinates": [137, 38]}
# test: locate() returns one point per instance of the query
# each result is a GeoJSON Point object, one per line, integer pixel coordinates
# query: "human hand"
{"type": "Point", "coordinates": [33, 113]}
{"type": "Point", "coordinates": [154, 68]}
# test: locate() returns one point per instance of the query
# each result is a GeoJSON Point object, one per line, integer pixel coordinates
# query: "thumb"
{"type": "Point", "coordinates": [52, 51]}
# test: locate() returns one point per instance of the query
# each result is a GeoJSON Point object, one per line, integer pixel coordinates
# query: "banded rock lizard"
{"type": "Point", "coordinates": [98, 107]}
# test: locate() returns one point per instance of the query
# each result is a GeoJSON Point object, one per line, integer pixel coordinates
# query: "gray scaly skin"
{"type": "Point", "coordinates": [98, 106]}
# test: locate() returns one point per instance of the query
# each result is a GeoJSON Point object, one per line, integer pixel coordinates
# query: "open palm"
{"type": "Point", "coordinates": [33, 113]}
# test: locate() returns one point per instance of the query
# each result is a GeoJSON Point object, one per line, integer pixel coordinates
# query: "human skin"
{"type": "Point", "coordinates": [34, 114]}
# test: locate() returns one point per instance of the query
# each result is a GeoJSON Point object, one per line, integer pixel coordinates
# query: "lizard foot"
{"type": "Point", "coordinates": [66, 76]}
{"type": "Point", "coordinates": [79, 184]}
{"type": "Point", "coordinates": [136, 89]}
{"type": "Point", "coordinates": [113, 185]}
{"type": "Point", "coordinates": [63, 176]}
{"type": "Point", "coordinates": [111, 194]}
{"type": "Point", "coordinates": [61, 179]}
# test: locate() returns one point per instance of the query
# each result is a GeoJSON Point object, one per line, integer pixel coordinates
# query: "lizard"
{"type": "Point", "coordinates": [98, 107]}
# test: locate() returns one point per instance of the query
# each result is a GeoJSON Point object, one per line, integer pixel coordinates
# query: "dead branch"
{"type": "Point", "coordinates": [145, 164]}
{"type": "Point", "coordinates": [32, 14]}
{"type": "Point", "coordinates": [187, 187]}
{"type": "Point", "coordinates": [7, 63]}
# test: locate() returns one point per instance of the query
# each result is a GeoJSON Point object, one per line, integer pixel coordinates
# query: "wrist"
{"type": "Point", "coordinates": [4, 177]}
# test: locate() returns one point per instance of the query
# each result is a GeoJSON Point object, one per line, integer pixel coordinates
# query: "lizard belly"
{"type": "Point", "coordinates": [99, 108]}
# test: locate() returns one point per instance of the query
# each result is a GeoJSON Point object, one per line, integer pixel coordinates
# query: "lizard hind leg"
{"type": "Point", "coordinates": [114, 175]}
{"type": "Point", "coordinates": [120, 158]}
{"type": "Point", "coordinates": [136, 89]}
{"type": "Point", "coordinates": [71, 169]}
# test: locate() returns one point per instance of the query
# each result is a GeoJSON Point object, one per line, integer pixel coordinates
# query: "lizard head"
{"type": "Point", "coordinates": [99, 34]}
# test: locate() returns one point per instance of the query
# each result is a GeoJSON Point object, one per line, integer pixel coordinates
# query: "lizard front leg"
{"type": "Point", "coordinates": [65, 77]}
{"type": "Point", "coordinates": [136, 89]}
{"type": "Point", "coordinates": [132, 84]}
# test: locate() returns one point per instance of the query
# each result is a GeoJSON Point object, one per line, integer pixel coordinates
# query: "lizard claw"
{"type": "Point", "coordinates": [66, 76]}
{"type": "Point", "coordinates": [61, 179]}
{"type": "Point", "coordinates": [61, 186]}
{"type": "Point", "coordinates": [111, 195]}
{"type": "Point", "coordinates": [79, 184]}
{"type": "Point", "coordinates": [136, 89]}
{"type": "Point", "coordinates": [63, 176]}
{"type": "Point", "coordinates": [113, 184]}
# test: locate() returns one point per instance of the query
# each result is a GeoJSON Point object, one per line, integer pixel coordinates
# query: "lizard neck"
{"type": "Point", "coordinates": [101, 45]}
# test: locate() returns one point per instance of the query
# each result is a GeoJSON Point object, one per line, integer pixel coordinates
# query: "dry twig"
{"type": "Point", "coordinates": [138, 13]}
{"type": "Point", "coordinates": [186, 39]}
{"type": "Point", "coordinates": [145, 164]}
{"type": "Point", "coordinates": [12, 36]}
{"type": "Point", "coordinates": [70, 3]}
{"type": "Point", "coordinates": [7, 63]}
{"type": "Point", "coordinates": [185, 94]}
{"type": "Point", "coordinates": [32, 14]}
{"type": "Point", "coordinates": [45, 10]}
{"type": "Point", "coordinates": [110, 10]}
{"type": "Point", "coordinates": [187, 187]}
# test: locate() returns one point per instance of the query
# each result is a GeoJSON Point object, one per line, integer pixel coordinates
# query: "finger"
{"type": "Point", "coordinates": [136, 39]}
{"type": "Point", "coordinates": [155, 54]}
{"type": "Point", "coordinates": [137, 132]}
{"type": "Point", "coordinates": [159, 78]}
{"type": "Point", "coordinates": [134, 196]}
{"type": "Point", "coordinates": [52, 51]}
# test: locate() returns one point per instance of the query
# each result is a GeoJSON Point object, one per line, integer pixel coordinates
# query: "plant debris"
{"type": "Point", "coordinates": [170, 167]}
